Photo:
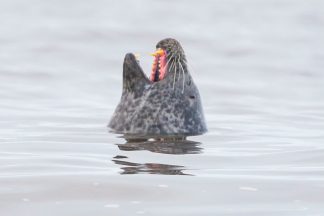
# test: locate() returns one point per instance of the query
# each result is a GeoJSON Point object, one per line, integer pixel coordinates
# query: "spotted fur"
{"type": "Point", "coordinates": [170, 107]}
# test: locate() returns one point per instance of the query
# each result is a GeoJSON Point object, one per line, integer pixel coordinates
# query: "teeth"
{"type": "Point", "coordinates": [158, 52]}
{"type": "Point", "coordinates": [137, 56]}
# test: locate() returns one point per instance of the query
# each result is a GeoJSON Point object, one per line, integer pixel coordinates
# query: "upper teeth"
{"type": "Point", "coordinates": [137, 56]}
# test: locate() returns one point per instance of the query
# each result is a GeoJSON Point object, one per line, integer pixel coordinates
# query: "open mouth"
{"type": "Point", "coordinates": [159, 65]}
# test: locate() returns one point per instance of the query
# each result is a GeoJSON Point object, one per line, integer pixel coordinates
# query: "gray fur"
{"type": "Point", "coordinates": [169, 107]}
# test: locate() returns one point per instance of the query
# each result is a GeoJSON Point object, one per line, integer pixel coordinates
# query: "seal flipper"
{"type": "Point", "coordinates": [134, 79]}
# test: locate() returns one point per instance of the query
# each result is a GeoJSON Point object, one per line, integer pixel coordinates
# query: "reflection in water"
{"type": "Point", "coordinates": [177, 147]}
{"type": "Point", "coordinates": [151, 168]}
{"type": "Point", "coordinates": [163, 147]}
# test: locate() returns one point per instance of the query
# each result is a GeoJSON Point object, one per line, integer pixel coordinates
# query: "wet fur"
{"type": "Point", "coordinates": [170, 107]}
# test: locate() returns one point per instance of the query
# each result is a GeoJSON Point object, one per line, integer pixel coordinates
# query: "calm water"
{"type": "Point", "coordinates": [258, 65]}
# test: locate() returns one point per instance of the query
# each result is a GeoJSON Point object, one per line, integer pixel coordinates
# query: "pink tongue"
{"type": "Point", "coordinates": [163, 61]}
{"type": "Point", "coordinates": [155, 64]}
{"type": "Point", "coordinates": [162, 71]}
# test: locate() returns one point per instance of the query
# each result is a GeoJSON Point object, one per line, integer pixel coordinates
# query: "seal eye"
{"type": "Point", "coordinates": [159, 65]}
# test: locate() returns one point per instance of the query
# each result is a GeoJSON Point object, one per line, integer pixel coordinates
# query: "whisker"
{"type": "Point", "coordinates": [175, 71]}
{"type": "Point", "coordinates": [167, 68]}
{"type": "Point", "coordinates": [169, 60]}
{"type": "Point", "coordinates": [171, 66]}
{"type": "Point", "coordinates": [189, 65]}
{"type": "Point", "coordinates": [183, 77]}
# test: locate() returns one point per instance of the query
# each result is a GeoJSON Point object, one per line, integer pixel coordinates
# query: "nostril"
{"type": "Point", "coordinates": [192, 97]}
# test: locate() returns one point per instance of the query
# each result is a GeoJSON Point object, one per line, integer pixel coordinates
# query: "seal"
{"type": "Point", "coordinates": [167, 104]}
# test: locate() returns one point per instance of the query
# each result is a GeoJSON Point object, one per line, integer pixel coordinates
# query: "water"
{"type": "Point", "coordinates": [258, 65]}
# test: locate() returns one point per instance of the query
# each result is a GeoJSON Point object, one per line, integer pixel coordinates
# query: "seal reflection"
{"type": "Point", "coordinates": [175, 147]}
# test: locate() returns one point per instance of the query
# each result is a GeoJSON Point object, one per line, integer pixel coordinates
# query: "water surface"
{"type": "Point", "coordinates": [259, 68]}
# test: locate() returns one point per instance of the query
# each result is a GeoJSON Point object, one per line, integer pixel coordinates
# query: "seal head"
{"type": "Point", "coordinates": [167, 104]}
